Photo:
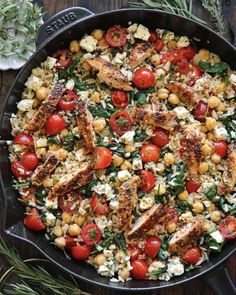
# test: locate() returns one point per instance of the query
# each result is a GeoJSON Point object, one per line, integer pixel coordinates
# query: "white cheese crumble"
{"type": "Point", "coordinates": [220, 132]}
{"type": "Point", "coordinates": [50, 219]}
{"type": "Point", "coordinates": [25, 105]}
{"type": "Point", "coordinates": [89, 43]}
{"type": "Point", "coordinates": [137, 164]}
{"type": "Point", "coordinates": [183, 41]}
{"type": "Point", "coordinates": [146, 203]}
{"type": "Point", "coordinates": [142, 33]}
{"type": "Point", "coordinates": [70, 84]}
{"type": "Point", "coordinates": [216, 235]}
{"type": "Point", "coordinates": [181, 112]}
{"type": "Point", "coordinates": [106, 57]}
{"type": "Point", "coordinates": [102, 222]}
{"type": "Point", "coordinates": [41, 142]}
{"type": "Point", "coordinates": [132, 28]}
{"type": "Point", "coordinates": [232, 79]}
{"type": "Point", "coordinates": [175, 267]}
{"type": "Point", "coordinates": [50, 62]}
{"type": "Point", "coordinates": [128, 137]}
{"type": "Point", "coordinates": [105, 189]}
{"type": "Point", "coordinates": [123, 175]}
{"type": "Point", "coordinates": [51, 204]}
{"type": "Point", "coordinates": [127, 73]}
{"type": "Point", "coordinates": [33, 83]}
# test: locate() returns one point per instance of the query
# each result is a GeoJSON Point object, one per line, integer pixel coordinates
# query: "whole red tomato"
{"type": "Point", "coordinates": [140, 269]}
{"type": "Point", "coordinates": [152, 247]}
{"type": "Point", "coordinates": [55, 124]}
{"type": "Point", "coordinates": [148, 181]}
{"type": "Point", "coordinates": [143, 78]}
{"type": "Point", "coordinates": [30, 161]}
{"type": "Point", "coordinates": [150, 153]}
{"type": "Point", "coordinates": [192, 256]}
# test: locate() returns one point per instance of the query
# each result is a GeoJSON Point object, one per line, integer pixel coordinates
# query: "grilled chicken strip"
{"type": "Point", "coordinates": [192, 142]}
{"type": "Point", "coordinates": [187, 237]}
{"type": "Point", "coordinates": [141, 51]}
{"type": "Point", "coordinates": [44, 170]}
{"type": "Point", "coordinates": [127, 202]}
{"type": "Point", "coordinates": [71, 182]}
{"type": "Point", "coordinates": [228, 179]}
{"type": "Point", "coordinates": [46, 109]}
{"type": "Point", "coordinates": [185, 94]}
{"type": "Point", "coordinates": [152, 116]}
{"type": "Point", "coordinates": [85, 127]}
{"type": "Point", "coordinates": [108, 74]}
{"type": "Point", "coordinates": [146, 222]}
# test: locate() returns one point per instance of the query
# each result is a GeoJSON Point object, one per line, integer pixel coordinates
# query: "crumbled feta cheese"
{"type": "Point", "coordinates": [105, 189]}
{"type": "Point", "coordinates": [220, 132]}
{"type": "Point", "coordinates": [50, 219]}
{"type": "Point", "coordinates": [181, 112]}
{"type": "Point", "coordinates": [142, 33]}
{"type": "Point", "coordinates": [108, 268]}
{"type": "Point", "coordinates": [183, 41]}
{"type": "Point", "coordinates": [146, 203]}
{"type": "Point", "coordinates": [41, 142]}
{"type": "Point", "coordinates": [50, 62]}
{"type": "Point", "coordinates": [122, 55]}
{"type": "Point", "coordinates": [89, 43]}
{"type": "Point", "coordinates": [114, 204]}
{"type": "Point", "coordinates": [106, 57]}
{"type": "Point", "coordinates": [128, 137]}
{"type": "Point", "coordinates": [132, 28]}
{"type": "Point", "coordinates": [175, 267]}
{"type": "Point", "coordinates": [79, 154]}
{"type": "Point", "coordinates": [186, 217]}
{"type": "Point", "coordinates": [102, 222]}
{"type": "Point", "coordinates": [167, 36]}
{"type": "Point", "coordinates": [216, 235]}
{"type": "Point", "coordinates": [232, 79]}
{"type": "Point", "coordinates": [127, 73]}
{"type": "Point", "coordinates": [33, 83]}
{"type": "Point", "coordinates": [117, 60]}
{"type": "Point", "coordinates": [70, 84]}
{"type": "Point", "coordinates": [137, 164]}
{"type": "Point", "coordinates": [123, 175]}
{"type": "Point", "coordinates": [51, 204]}
{"type": "Point", "coordinates": [25, 105]}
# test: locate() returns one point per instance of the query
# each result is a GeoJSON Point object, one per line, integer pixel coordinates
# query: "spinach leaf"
{"type": "Point", "coordinates": [80, 85]}
{"type": "Point", "coordinates": [141, 99]}
{"type": "Point", "coordinates": [157, 272]}
{"type": "Point", "coordinates": [87, 189]}
{"type": "Point", "coordinates": [99, 111]}
{"type": "Point", "coordinates": [68, 142]}
{"type": "Point", "coordinates": [68, 72]}
{"type": "Point", "coordinates": [230, 125]}
{"type": "Point", "coordinates": [140, 137]}
{"type": "Point", "coordinates": [225, 206]}
{"type": "Point", "coordinates": [214, 69]}
{"type": "Point", "coordinates": [54, 139]}
{"type": "Point", "coordinates": [183, 206]}
{"type": "Point", "coordinates": [119, 241]}
{"type": "Point", "coordinates": [41, 193]}
{"type": "Point", "coordinates": [110, 169]}
{"type": "Point", "coordinates": [211, 192]}
{"type": "Point", "coordinates": [176, 181]}
{"type": "Point", "coordinates": [212, 244]}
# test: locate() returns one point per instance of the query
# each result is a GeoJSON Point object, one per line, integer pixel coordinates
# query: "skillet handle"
{"type": "Point", "coordinates": [60, 21]}
{"type": "Point", "coordinates": [220, 282]}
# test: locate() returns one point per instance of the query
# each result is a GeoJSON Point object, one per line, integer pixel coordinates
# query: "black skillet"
{"type": "Point", "coordinates": [56, 34]}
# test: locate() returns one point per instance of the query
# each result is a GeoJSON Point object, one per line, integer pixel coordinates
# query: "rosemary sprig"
{"type": "Point", "coordinates": [37, 276]}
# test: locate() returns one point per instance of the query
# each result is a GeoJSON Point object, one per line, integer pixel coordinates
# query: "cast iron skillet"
{"type": "Point", "coordinates": [56, 34]}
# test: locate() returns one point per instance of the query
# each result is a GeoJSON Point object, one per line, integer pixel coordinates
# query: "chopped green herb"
{"type": "Point", "coordinates": [69, 71]}
{"type": "Point", "coordinates": [211, 192]}
{"type": "Point", "coordinates": [24, 184]}
{"type": "Point", "coordinates": [183, 206]}
{"type": "Point", "coordinates": [68, 142]}
{"type": "Point", "coordinates": [99, 111]}
{"type": "Point", "coordinates": [230, 125]}
{"type": "Point", "coordinates": [141, 98]}
{"type": "Point", "coordinates": [80, 85]}
{"type": "Point", "coordinates": [214, 69]}
{"type": "Point", "coordinates": [157, 272]}
{"type": "Point", "coordinates": [54, 139]}
{"type": "Point", "coordinates": [176, 181]}
{"type": "Point", "coordinates": [112, 168]}
{"type": "Point", "coordinates": [140, 137]}
{"type": "Point", "coordinates": [41, 193]}
{"type": "Point", "coordinates": [212, 244]}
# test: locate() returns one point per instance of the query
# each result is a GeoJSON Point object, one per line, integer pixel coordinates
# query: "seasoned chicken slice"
{"type": "Point", "coordinates": [187, 237]}
{"type": "Point", "coordinates": [146, 221]}
{"type": "Point", "coordinates": [228, 179]}
{"type": "Point", "coordinates": [127, 202]}
{"type": "Point", "coordinates": [185, 93]}
{"type": "Point", "coordinates": [46, 109]}
{"type": "Point", "coordinates": [140, 52]}
{"type": "Point", "coordinates": [152, 116]}
{"type": "Point", "coordinates": [44, 170]}
{"type": "Point", "coordinates": [85, 127]}
{"type": "Point", "coordinates": [71, 182]}
{"type": "Point", "coordinates": [191, 149]}
{"type": "Point", "coordinates": [109, 74]}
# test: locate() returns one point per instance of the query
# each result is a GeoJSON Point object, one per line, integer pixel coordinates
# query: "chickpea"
{"type": "Point", "coordinates": [54, 147]}
{"type": "Point", "coordinates": [160, 168]}
{"type": "Point", "coordinates": [163, 93]}
{"type": "Point", "coordinates": [41, 152]}
{"type": "Point", "coordinates": [172, 44]}
{"type": "Point", "coordinates": [169, 159]}
{"type": "Point", "coordinates": [214, 102]}
{"type": "Point", "coordinates": [99, 259]}
{"type": "Point", "coordinates": [42, 93]}
{"type": "Point", "coordinates": [183, 196]}
{"type": "Point", "coordinates": [124, 273]}
{"type": "Point", "coordinates": [102, 42]}
{"type": "Point", "coordinates": [203, 129]}
{"type": "Point", "coordinates": [60, 242]}
{"type": "Point", "coordinates": [204, 54]}
{"type": "Point", "coordinates": [198, 207]}
{"type": "Point", "coordinates": [211, 123]}
{"type": "Point", "coordinates": [210, 136]}
{"type": "Point", "coordinates": [211, 208]}
{"type": "Point", "coordinates": [35, 103]}
{"type": "Point", "coordinates": [57, 231]}
{"type": "Point", "coordinates": [64, 132]}
{"type": "Point", "coordinates": [48, 182]}
{"type": "Point", "coordinates": [99, 125]}
{"type": "Point", "coordinates": [97, 34]}
{"type": "Point", "coordinates": [155, 59]}
{"type": "Point", "coordinates": [216, 216]}
{"type": "Point", "coordinates": [96, 97]}
{"type": "Point", "coordinates": [160, 72]}
{"type": "Point", "coordinates": [80, 219]}
{"type": "Point", "coordinates": [62, 153]}
{"type": "Point", "coordinates": [74, 46]}
{"type": "Point", "coordinates": [220, 88]}
{"type": "Point", "coordinates": [207, 149]}
{"type": "Point", "coordinates": [119, 256]}
{"type": "Point", "coordinates": [173, 99]}
{"type": "Point", "coordinates": [117, 160]}
{"type": "Point", "coordinates": [129, 148]}
{"type": "Point", "coordinates": [221, 107]}
{"type": "Point", "coordinates": [203, 167]}
{"type": "Point", "coordinates": [66, 217]}
{"type": "Point", "coordinates": [86, 66]}
{"type": "Point", "coordinates": [171, 227]}
{"type": "Point", "coordinates": [216, 158]}
{"type": "Point", "coordinates": [126, 165]}
{"type": "Point", "coordinates": [74, 229]}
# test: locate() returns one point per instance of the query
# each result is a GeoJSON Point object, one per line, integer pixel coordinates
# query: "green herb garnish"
{"type": "Point", "coordinates": [214, 69]}
{"type": "Point", "coordinates": [211, 192]}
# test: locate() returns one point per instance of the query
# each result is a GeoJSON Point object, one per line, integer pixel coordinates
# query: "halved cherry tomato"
{"type": "Point", "coordinates": [33, 222]}
{"type": "Point", "coordinates": [91, 234]}
{"type": "Point", "coordinates": [148, 180]}
{"type": "Point", "coordinates": [221, 148]}
{"type": "Point", "coordinates": [152, 246]}
{"type": "Point", "coordinates": [70, 242]}
{"type": "Point", "coordinates": [29, 161]}
{"type": "Point", "coordinates": [228, 227]}
{"type": "Point", "coordinates": [153, 36]}
{"type": "Point", "coordinates": [143, 78]}
{"type": "Point", "coordinates": [160, 137]}
{"type": "Point", "coordinates": [134, 253]}
{"type": "Point", "coordinates": [103, 157]}
{"type": "Point", "coordinates": [187, 52]}
{"type": "Point", "coordinates": [116, 36]}
{"type": "Point", "coordinates": [64, 59]}
{"type": "Point", "coordinates": [140, 269]}
{"type": "Point", "coordinates": [150, 153]}
{"type": "Point", "coordinates": [191, 186]}
{"type": "Point", "coordinates": [67, 202]}
{"type": "Point", "coordinates": [23, 138]}
{"type": "Point", "coordinates": [18, 170]}
{"type": "Point", "coordinates": [197, 73]}
{"type": "Point", "coordinates": [120, 99]}
{"type": "Point", "coordinates": [159, 44]}
{"type": "Point", "coordinates": [182, 65]}
{"type": "Point", "coordinates": [192, 256]}
{"type": "Point", "coordinates": [68, 100]}
{"type": "Point", "coordinates": [121, 122]}
{"type": "Point", "coordinates": [97, 206]}
{"type": "Point", "coordinates": [80, 252]}
{"type": "Point", "coordinates": [168, 56]}
{"type": "Point", "coordinates": [55, 124]}
{"type": "Point", "coordinates": [201, 111]}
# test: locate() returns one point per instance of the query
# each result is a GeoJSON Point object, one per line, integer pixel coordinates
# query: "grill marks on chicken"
{"type": "Point", "coordinates": [109, 74]}
{"type": "Point", "coordinates": [46, 109]}
{"type": "Point", "coordinates": [140, 53]}
{"type": "Point", "coordinates": [185, 94]}
{"type": "Point", "coordinates": [228, 179]}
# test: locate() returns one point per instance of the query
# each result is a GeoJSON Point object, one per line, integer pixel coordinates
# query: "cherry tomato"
{"type": "Point", "coordinates": [116, 36]}
{"type": "Point", "coordinates": [192, 256]}
{"type": "Point", "coordinates": [67, 102]}
{"type": "Point", "coordinates": [221, 148]}
{"type": "Point", "coordinates": [33, 222]}
{"type": "Point", "coordinates": [191, 186]}
{"type": "Point", "coordinates": [160, 137]}
{"type": "Point", "coordinates": [228, 227]}
{"type": "Point", "coordinates": [23, 138]}
{"type": "Point", "coordinates": [80, 252]}
{"type": "Point", "coordinates": [121, 122]}
{"type": "Point", "coordinates": [134, 253]}
{"type": "Point", "coordinates": [159, 44]}
{"type": "Point", "coordinates": [143, 78]}
{"type": "Point", "coordinates": [201, 111]}
{"type": "Point", "coordinates": [187, 52]}
{"type": "Point", "coordinates": [148, 181]}
{"type": "Point", "coordinates": [150, 153]}
{"type": "Point", "coordinates": [70, 242]}
{"type": "Point", "coordinates": [183, 67]}
{"type": "Point", "coordinates": [91, 234]}
{"type": "Point", "coordinates": [140, 269]}
{"type": "Point", "coordinates": [29, 161]}
{"type": "Point", "coordinates": [152, 246]}
{"type": "Point", "coordinates": [103, 157]}
{"type": "Point", "coordinates": [197, 73]}
{"type": "Point", "coordinates": [97, 206]}
{"type": "Point", "coordinates": [64, 60]}
{"type": "Point", "coordinates": [120, 99]}
{"type": "Point", "coordinates": [168, 56]}
{"type": "Point", "coordinates": [67, 202]}
{"type": "Point", "coordinates": [55, 124]}
{"type": "Point", "coordinates": [153, 36]}
{"type": "Point", "coordinates": [18, 170]}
